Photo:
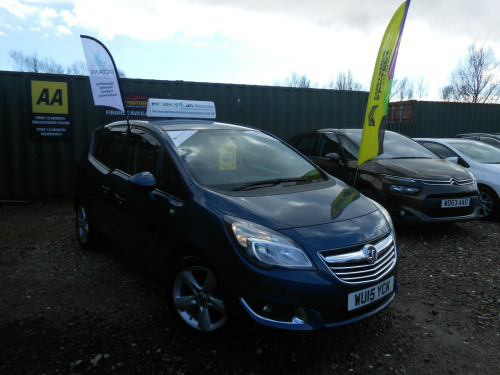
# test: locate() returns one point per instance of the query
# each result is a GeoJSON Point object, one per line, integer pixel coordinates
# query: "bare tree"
{"type": "Point", "coordinates": [32, 63]}
{"type": "Point", "coordinates": [422, 87]}
{"type": "Point", "coordinates": [345, 82]}
{"type": "Point", "coordinates": [402, 89]}
{"type": "Point", "coordinates": [476, 79]}
{"type": "Point", "coordinates": [295, 80]}
{"type": "Point", "coordinates": [77, 68]}
{"type": "Point", "coordinates": [447, 93]}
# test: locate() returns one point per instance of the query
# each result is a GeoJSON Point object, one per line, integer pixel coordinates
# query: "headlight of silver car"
{"type": "Point", "coordinates": [265, 247]}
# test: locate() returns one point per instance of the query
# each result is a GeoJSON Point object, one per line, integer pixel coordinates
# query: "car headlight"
{"type": "Point", "coordinates": [387, 217]}
{"type": "Point", "coordinates": [265, 247]}
{"type": "Point", "coordinates": [405, 190]}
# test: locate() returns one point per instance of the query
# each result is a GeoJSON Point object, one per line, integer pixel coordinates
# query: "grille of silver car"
{"type": "Point", "coordinates": [353, 265]}
{"type": "Point", "coordinates": [450, 181]}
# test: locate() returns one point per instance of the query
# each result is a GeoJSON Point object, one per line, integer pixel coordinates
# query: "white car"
{"type": "Point", "coordinates": [482, 159]}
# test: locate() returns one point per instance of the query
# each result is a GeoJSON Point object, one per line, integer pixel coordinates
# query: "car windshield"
{"type": "Point", "coordinates": [396, 146]}
{"type": "Point", "coordinates": [230, 159]}
{"type": "Point", "coordinates": [478, 151]}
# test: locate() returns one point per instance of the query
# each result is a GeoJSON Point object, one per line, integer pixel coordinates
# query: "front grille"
{"type": "Point", "coordinates": [432, 206]}
{"type": "Point", "coordinates": [353, 266]}
{"type": "Point", "coordinates": [450, 181]}
{"type": "Point", "coordinates": [438, 212]}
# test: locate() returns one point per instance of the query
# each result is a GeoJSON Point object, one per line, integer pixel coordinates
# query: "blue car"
{"type": "Point", "coordinates": [240, 226]}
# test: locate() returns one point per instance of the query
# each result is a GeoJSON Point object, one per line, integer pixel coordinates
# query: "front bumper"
{"type": "Point", "coordinates": [307, 319]}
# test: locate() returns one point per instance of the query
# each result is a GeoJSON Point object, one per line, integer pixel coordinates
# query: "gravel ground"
{"type": "Point", "coordinates": [67, 311]}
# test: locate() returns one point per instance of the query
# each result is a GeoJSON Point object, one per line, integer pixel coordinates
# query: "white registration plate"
{"type": "Point", "coordinates": [369, 295]}
{"type": "Point", "coordinates": [462, 202]}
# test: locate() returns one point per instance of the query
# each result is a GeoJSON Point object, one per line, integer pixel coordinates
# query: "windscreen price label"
{"type": "Point", "coordinates": [369, 295]}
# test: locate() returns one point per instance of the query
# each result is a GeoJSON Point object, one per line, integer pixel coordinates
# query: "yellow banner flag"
{"type": "Point", "coordinates": [372, 139]}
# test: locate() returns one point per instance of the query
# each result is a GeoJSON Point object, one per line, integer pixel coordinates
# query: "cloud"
{"type": "Point", "coordinates": [19, 9]}
{"type": "Point", "coordinates": [319, 38]}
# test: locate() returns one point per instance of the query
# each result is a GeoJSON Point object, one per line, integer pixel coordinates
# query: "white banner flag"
{"type": "Point", "coordinates": [102, 74]}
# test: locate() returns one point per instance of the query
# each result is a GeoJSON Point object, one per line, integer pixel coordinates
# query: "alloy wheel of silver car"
{"type": "Point", "coordinates": [193, 296]}
{"type": "Point", "coordinates": [486, 204]}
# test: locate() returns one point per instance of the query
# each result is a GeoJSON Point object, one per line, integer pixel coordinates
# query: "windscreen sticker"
{"type": "Point", "coordinates": [258, 134]}
{"type": "Point", "coordinates": [227, 156]}
{"type": "Point", "coordinates": [180, 136]}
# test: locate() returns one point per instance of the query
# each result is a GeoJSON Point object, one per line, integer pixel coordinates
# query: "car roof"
{"type": "Point", "coordinates": [460, 140]}
{"type": "Point", "coordinates": [182, 124]}
{"type": "Point", "coordinates": [493, 135]}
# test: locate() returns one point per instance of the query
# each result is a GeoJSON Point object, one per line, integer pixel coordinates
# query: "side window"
{"type": "Point", "coordinates": [329, 143]}
{"type": "Point", "coordinates": [107, 146]}
{"type": "Point", "coordinates": [490, 141]}
{"type": "Point", "coordinates": [142, 153]}
{"type": "Point", "coordinates": [440, 150]}
{"type": "Point", "coordinates": [168, 177]}
{"type": "Point", "coordinates": [350, 149]}
{"type": "Point", "coordinates": [307, 144]}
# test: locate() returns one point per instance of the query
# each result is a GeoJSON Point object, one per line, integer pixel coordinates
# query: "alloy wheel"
{"type": "Point", "coordinates": [485, 204]}
{"type": "Point", "coordinates": [195, 300]}
{"type": "Point", "coordinates": [82, 225]}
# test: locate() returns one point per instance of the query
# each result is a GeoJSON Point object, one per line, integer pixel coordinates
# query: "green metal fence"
{"type": "Point", "coordinates": [45, 120]}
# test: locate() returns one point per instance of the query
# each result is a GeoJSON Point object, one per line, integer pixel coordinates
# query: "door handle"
{"type": "Point", "coordinates": [119, 198]}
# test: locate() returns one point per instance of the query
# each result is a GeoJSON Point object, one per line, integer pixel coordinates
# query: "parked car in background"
{"type": "Point", "coordinates": [481, 159]}
{"type": "Point", "coordinates": [240, 225]}
{"type": "Point", "coordinates": [414, 184]}
{"type": "Point", "coordinates": [491, 139]}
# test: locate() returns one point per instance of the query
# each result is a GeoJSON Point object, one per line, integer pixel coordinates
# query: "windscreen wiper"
{"type": "Point", "coordinates": [272, 182]}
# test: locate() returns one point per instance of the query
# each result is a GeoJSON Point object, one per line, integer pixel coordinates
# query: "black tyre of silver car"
{"type": "Point", "coordinates": [488, 203]}
{"type": "Point", "coordinates": [84, 231]}
{"type": "Point", "coordinates": [195, 297]}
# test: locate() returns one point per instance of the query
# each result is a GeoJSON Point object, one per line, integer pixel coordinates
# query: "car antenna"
{"type": "Point", "coordinates": [355, 177]}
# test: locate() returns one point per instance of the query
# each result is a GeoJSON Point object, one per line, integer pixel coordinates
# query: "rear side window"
{"type": "Point", "coordinates": [107, 146]}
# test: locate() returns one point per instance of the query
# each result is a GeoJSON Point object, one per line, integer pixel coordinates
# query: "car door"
{"type": "Point", "coordinates": [146, 217]}
{"type": "Point", "coordinates": [106, 156]}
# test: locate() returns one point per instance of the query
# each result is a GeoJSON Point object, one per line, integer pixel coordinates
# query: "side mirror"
{"type": "Point", "coordinates": [144, 181]}
{"type": "Point", "coordinates": [333, 156]}
{"type": "Point", "coordinates": [453, 159]}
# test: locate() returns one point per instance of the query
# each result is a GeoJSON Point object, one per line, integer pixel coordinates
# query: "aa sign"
{"type": "Point", "coordinates": [49, 97]}
{"type": "Point", "coordinates": [50, 109]}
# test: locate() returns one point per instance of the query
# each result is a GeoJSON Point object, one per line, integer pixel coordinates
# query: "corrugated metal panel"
{"type": "Point", "coordinates": [31, 168]}
{"type": "Point", "coordinates": [438, 119]}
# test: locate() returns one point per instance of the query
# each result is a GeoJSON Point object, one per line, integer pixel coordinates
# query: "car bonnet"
{"type": "Point", "coordinates": [297, 209]}
{"type": "Point", "coordinates": [427, 169]}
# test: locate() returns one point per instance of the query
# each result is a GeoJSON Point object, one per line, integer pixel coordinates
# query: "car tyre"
{"type": "Point", "coordinates": [488, 203]}
{"type": "Point", "coordinates": [84, 231]}
{"type": "Point", "coordinates": [195, 298]}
